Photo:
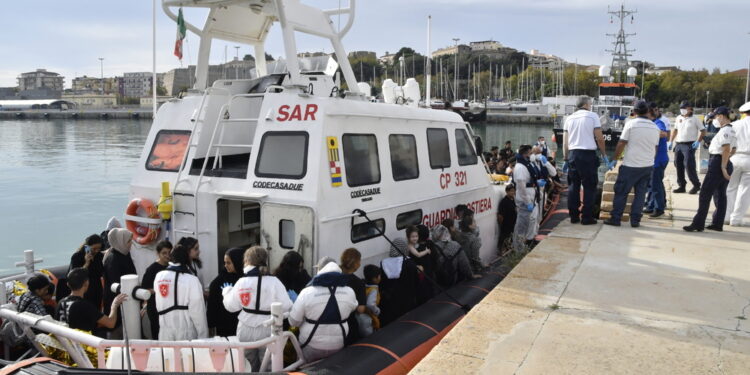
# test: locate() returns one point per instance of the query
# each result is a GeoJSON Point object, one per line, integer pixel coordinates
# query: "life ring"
{"type": "Point", "coordinates": [143, 233]}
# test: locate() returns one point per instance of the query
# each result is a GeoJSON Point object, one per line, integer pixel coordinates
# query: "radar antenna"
{"type": "Point", "coordinates": [620, 52]}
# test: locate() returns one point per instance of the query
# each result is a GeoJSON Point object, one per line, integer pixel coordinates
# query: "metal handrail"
{"type": "Point", "coordinates": [71, 339]}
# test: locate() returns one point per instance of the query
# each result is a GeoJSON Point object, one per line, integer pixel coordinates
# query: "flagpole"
{"type": "Point", "coordinates": [154, 81]}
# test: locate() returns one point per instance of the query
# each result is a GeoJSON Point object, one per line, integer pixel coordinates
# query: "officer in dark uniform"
{"type": "Point", "coordinates": [718, 175]}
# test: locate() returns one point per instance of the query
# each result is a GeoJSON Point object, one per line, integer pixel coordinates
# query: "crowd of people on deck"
{"type": "Point", "coordinates": [329, 310]}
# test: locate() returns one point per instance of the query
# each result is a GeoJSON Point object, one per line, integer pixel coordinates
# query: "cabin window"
{"type": "Point", "coordinates": [406, 219]}
{"type": "Point", "coordinates": [286, 234]}
{"type": "Point", "coordinates": [282, 155]}
{"type": "Point", "coordinates": [403, 156]}
{"type": "Point", "coordinates": [365, 231]}
{"type": "Point", "coordinates": [168, 150]}
{"type": "Point", "coordinates": [466, 154]}
{"type": "Point", "coordinates": [437, 144]}
{"type": "Point", "coordinates": [361, 159]}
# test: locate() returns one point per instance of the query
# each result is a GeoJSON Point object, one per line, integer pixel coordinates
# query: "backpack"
{"type": "Point", "coordinates": [446, 271]}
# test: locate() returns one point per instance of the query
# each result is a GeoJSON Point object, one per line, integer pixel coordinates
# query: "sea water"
{"type": "Point", "coordinates": [60, 181]}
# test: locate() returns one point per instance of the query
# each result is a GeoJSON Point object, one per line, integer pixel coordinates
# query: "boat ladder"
{"type": "Point", "coordinates": [215, 146]}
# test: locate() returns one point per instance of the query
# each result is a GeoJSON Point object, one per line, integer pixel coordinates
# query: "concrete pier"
{"type": "Point", "coordinates": [607, 300]}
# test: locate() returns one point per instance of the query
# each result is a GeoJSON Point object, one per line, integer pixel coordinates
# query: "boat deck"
{"type": "Point", "coordinates": [606, 300]}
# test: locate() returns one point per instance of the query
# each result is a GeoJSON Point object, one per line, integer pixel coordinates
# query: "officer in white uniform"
{"type": "Point", "coordinates": [718, 175]}
{"type": "Point", "coordinates": [738, 191]}
{"type": "Point", "coordinates": [321, 310]}
{"type": "Point", "coordinates": [687, 135]}
{"type": "Point", "coordinates": [581, 138]}
{"type": "Point", "coordinates": [252, 295]}
{"type": "Point", "coordinates": [179, 300]}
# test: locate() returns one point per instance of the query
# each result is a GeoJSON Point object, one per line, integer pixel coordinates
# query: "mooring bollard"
{"type": "Point", "coordinates": [132, 306]}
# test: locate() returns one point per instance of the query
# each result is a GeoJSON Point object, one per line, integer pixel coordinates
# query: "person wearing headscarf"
{"type": "Point", "coordinates": [219, 318]}
{"type": "Point", "coordinates": [449, 251]}
{"type": "Point", "coordinates": [291, 272]}
{"type": "Point", "coordinates": [399, 282]}
{"type": "Point", "coordinates": [117, 263]}
{"type": "Point", "coordinates": [112, 223]}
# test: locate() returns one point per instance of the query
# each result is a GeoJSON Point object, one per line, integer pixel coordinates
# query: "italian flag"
{"type": "Point", "coordinates": [180, 35]}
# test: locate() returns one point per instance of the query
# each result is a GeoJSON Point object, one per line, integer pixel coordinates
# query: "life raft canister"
{"type": "Point", "coordinates": [143, 233]}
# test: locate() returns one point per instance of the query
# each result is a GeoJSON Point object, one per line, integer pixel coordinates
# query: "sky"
{"type": "Point", "coordinates": [68, 37]}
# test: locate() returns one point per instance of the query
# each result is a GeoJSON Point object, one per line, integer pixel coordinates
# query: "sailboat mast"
{"type": "Point", "coordinates": [428, 101]}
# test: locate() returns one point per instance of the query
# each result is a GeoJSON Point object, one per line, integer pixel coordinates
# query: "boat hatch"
{"type": "Point", "coordinates": [286, 228]}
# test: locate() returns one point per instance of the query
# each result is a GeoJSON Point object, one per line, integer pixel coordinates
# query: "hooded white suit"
{"type": "Point", "coordinates": [310, 304]}
{"type": "Point", "coordinates": [188, 320]}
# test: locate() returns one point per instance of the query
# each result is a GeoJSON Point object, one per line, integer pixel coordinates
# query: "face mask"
{"type": "Point", "coordinates": [533, 158]}
{"type": "Point", "coordinates": [716, 123]}
{"type": "Point", "coordinates": [683, 111]}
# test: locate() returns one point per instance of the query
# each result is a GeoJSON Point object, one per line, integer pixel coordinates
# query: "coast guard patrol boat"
{"type": "Point", "coordinates": [287, 160]}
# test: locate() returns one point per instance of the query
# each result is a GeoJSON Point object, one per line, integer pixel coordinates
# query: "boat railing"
{"type": "Point", "coordinates": [137, 352]}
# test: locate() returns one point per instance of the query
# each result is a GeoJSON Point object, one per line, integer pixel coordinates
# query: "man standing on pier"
{"type": "Point", "coordinates": [656, 201]}
{"type": "Point", "coordinates": [581, 138]}
{"type": "Point", "coordinates": [641, 136]}
{"type": "Point", "coordinates": [688, 134]}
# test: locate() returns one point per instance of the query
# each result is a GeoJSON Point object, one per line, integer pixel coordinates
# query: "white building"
{"type": "Point", "coordinates": [41, 83]}
{"type": "Point", "coordinates": [485, 45]}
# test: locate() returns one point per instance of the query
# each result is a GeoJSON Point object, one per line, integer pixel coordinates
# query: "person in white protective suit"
{"type": "Point", "coordinates": [179, 300]}
{"type": "Point", "coordinates": [544, 169]}
{"type": "Point", "coordinates": [252, 295]}
{"type": "Point", "coordinates": [321, 310]}
{"type": "Point", "coordinates": [527, 181]}
{"type": "Point", "coordinates": [738, 190]}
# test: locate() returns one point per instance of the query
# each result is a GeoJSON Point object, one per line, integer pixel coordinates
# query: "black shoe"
{"type": "Point", "coordinates": [575, 220]}
{"type": "Point", "coordinates": [648, 210]}
{"type": "Point", "coordinates": [679, 190]}
{"type": "Point", "coordinates": [589, 222]}
{"type": "Point", "coordinates": [694, 190]}
{"type": "Point", "coordinates": [635, 225]}
{"type": "Point", "coordinates": [691, 228]}
{"type": "Point", "coordinates": [611, 222]}
{"type": "Point", "coordinates": [715, 227]}
{"type": "Point", "coordinates": [656, 214]}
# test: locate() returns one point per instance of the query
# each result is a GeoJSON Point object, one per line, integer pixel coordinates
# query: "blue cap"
{"type": "Point", "coordinates": [686, 104]}
{"type": "Point", "coordinates": [721, 111]}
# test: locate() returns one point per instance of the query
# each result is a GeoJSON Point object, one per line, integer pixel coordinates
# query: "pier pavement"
{"type": "Point", "coordinates": [607, 300]}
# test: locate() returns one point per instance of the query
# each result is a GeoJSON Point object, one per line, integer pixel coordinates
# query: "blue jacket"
{"type": "Point", "coordinates": [662, 157]}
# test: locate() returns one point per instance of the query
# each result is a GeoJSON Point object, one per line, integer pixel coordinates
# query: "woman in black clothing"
{"type": "Point", "coordinates": [163, 249]}
{"type": "Point", "coordinates": [89, 257]}
{"type": "Point", "coordinates": [351, 260]}
{"type": "Point", "coordinates": [117, 263]}
{"type": "Point", "coordinates": [219, 318]}
{"type": "Point", "coordinates": [428, 263]}
{"type": "Point", "coordinates": [292, 273]}
{"type": "Point", "coordinates": [398, 283]}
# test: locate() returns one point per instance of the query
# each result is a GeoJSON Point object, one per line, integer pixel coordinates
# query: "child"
{"type": "Point", "coordinates": [506, 217]}
{"type": "Point", "coordinates": [412, 240]}
{"type": "Point", "coordinates": [369, 321]}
